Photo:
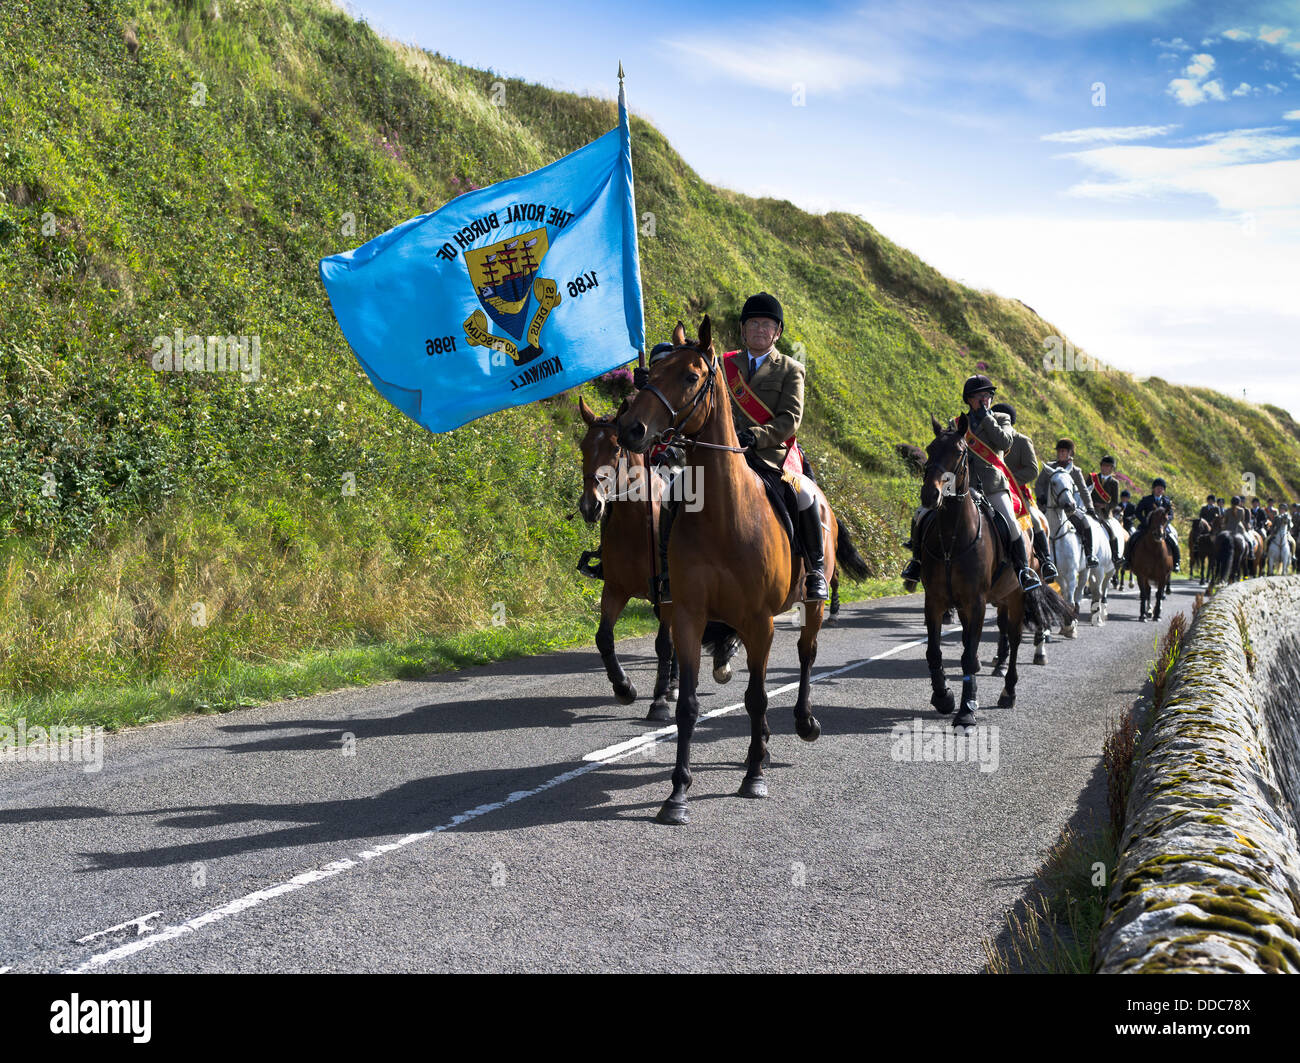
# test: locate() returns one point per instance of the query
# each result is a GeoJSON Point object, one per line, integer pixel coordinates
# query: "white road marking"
{"type": "Point", "coordinates": [338, 867]}
{"type": "Point", "coordinates": [140, 924]}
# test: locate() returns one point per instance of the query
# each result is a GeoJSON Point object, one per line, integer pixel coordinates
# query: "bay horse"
{"type": "Point", "coordinates": [616, 491]}
{"type": "Point", "coordinates": [1226, 566]}
{"type": "Point", "coordinates": [962, 566]}
{"type": "Point", "coordinates": [731, 560]}
{"type": "Point", "coordinates": [1201, 537]}
{"type": "Point", "coordinates": [1152, 563]}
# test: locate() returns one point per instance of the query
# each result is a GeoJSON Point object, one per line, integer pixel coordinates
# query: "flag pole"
{"type": "Point", "coordinates": [622, 99]}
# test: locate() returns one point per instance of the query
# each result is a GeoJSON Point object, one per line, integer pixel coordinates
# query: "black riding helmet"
{"type": "Point", "coordinates": [1158, 482]}
{"type": "Point", "coordinates": [762, 305]}
{"type": "Point", "coordinates": [1005, 407]}
{"type": "Point", "coordinates": [975, 384]}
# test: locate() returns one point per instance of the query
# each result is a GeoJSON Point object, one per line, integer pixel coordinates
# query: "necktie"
{"type": "Point", "coordinates": [753, 366]}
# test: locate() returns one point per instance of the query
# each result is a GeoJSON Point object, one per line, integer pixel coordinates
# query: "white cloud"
{"type": "Point", "coordinates": [1108, 133]}
{"type": "Point", "coordinates": [1241, 90]}
{"type": "Point", "coordinates": [1272, 35]}
{"type": "Point", "coordinates": [1192, 88]}
{"type": "Point", "coordinates": [816, 69]}
{"type": "Point", "coordinates": [1292, 116]}
{"type": "Point", "coordinates": [1237, 35]}
{"type": "Point", "coordinates": [1189, 93]}
{"type": "Point", "coordinates": [1248, 172]}
{"type": "Point", "coordinates": [1177, 44]}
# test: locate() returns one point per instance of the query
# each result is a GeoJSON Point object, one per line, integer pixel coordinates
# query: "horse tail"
{"type": "Point", "coordinates": [1046, 609]}
{"type": "Point", "coordinates": [847, 554]}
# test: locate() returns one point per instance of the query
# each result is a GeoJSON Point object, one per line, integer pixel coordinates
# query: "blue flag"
{"type": "Point", "coordinates": [506, 295]}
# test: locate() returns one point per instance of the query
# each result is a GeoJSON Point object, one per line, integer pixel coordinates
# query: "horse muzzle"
{"type": "Point", "coordinates": [634, 437]}
{"type": "Point", "coordinates": [591, 506]}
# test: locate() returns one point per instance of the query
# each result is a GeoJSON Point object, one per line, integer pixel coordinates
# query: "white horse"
{"type": "Point", "coordinates": [1281, 548]}
{"type": "Point", "coordinates": [1069, 557]}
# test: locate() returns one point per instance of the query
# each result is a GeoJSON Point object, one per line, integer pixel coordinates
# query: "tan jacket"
{"type": "Point", "coordinates": [1022, 459]}
{"type": "Point", "coordinates": [996, 431]}
{"type": "Point", "coordinates": [779, 384]}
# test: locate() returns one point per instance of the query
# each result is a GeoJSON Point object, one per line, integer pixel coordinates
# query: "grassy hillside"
{"type": "Point", "coordinates": [168, 165]}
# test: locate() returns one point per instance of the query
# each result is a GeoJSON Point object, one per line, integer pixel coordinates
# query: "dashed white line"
{"type": "Point", "coordinates": [307, 878]}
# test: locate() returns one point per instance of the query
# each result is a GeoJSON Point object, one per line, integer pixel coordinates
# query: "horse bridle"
{"type": "Point", "coordinates": [672, 433]}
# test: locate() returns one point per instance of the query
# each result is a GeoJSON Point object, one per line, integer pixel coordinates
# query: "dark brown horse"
{"type": "Point", "coordinates": [1201, 537]}
{"type": "Point", "coordinates": [617, 492]}
{"type": "Point", "coordinates": [962, 566]}
{"type": "Point", "coordinates": [729, 560]}
{"type": "Point", "coordinates": [1152, 563]}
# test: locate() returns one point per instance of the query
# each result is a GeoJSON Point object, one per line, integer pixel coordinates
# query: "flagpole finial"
{"type": "Point", "coordinates": [620, 70]}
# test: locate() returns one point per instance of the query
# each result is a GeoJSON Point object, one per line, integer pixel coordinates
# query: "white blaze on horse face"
{"type": "Point", "coordinates": [948, 484]}
{"type": "Point", "coordinates": [605, 481]}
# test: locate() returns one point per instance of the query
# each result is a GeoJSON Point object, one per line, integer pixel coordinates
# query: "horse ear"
{"type": "Point", "coordinates": [585, 410]}
{"type": "Point", "coordinates": [705, 342]}
{"type": "Point", "coordinates": [938, 428]}
{"type": "Point", "coordinates": [961, 424]}
{"type": "Point", "coordinates": [679, 335]}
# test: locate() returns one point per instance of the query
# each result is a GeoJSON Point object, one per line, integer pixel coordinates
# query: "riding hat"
{"type": "Point", "coordinates": [1158, 482]}
{"type": "Point", "coordinates": [762, 305]}
{"type": "Point", "coordinates": [1065, 444]}
{"type": "Point", "coordinates": [1108, 460]}
{"type": "Point", "coordinates": [1005, 407]}
{"type": "Point", "coordinates": [975, 384]}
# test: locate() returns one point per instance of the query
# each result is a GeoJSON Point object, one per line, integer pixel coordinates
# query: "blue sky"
{"type": "Point", "coordinates": [1154, 219]}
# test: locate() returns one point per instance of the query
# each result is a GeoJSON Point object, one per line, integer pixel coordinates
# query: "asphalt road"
{"type": "Point", "coordinates": [461, 829]}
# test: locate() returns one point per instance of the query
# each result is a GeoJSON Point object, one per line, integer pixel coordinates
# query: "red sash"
{"type": "Point", "coordinates": [1020, 499]}
{"type": "Point", "coordinates": [1101, 491]}
{"type": "Point", "coordinates": [756, 409]}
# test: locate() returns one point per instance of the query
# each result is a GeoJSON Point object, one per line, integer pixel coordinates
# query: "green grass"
{"type": "Point", "coordinates": [196, 183]}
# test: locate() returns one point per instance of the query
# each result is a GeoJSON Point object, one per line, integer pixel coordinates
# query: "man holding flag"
{"type": "Point", "coordinates": [506, 295]}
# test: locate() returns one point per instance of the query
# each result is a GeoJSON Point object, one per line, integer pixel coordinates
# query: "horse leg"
{"type": "Point", "coordinates": [687, 632]}
{"type": "Point", "coordinates": [1000, 661]}
{"type": "Point", "coordinates": [972, 627]}
{"type": "Point", "coordinates": [1160, 597]}
{"type": "Point", "coordinates": [758, 646]}
{"type": "Point", "coordinates": [941, 694]}
{"type": "Point", "coordinates": [611, 608]}
{"type": "Point", "coordinates": [1016, 627]}
{"type": "Point", "coordinates": [1040, 647]}
{"type": "Point", "coordinates": [835, 598]}
{"type": "Point", "coordinates": [664, 676]}
{"type": "Point", "coordinates": [805, 723]}
{"type": "Point", "coordinates": [1144, 597]}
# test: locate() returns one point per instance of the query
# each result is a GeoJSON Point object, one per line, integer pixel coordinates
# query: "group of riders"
{"type": "Point", "coordinates": [767, 400]}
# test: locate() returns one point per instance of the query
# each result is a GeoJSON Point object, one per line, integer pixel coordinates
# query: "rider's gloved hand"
{"type": "Point", "coordinates": [746, 438]}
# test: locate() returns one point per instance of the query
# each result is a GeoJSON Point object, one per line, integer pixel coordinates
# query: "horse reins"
{"type": "Point", "coordinates": [671, 434]}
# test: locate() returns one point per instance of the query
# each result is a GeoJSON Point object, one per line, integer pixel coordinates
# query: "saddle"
{"type": "Point", "coordinates": [780, 495]}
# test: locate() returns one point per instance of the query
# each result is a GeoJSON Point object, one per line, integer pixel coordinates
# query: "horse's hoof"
{"type": "Point", "coordinates": [1142, 620]}
{"type": "Point", "coordinates": [998, 670]}
{"type": "Point", "coordinates": [1071, 632]}
{"type": "Point", "coordinates": [944, 702]}
{"type": "Point", "coordinates": [808, 727]}
{"type": "Point", "coordinates": [722, 675]}
{"type": "Point", "coordinates": [659, 712]}
{"type": "Point", "coordinates": [965, 718]}
{"type": "Point", "coordinates": [673, 815]}
{"type": "Point", "coordinates": [1007, 700]}
{"type": "Point", "coordinates": [1040, 658]}
{"type": "Point", "coordinates": [625, 694]}
{"type": "Point", "coordinates": [755, 787]}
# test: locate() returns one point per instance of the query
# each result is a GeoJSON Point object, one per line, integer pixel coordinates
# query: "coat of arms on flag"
{"type": "Point", "coordinates": [505, 278]}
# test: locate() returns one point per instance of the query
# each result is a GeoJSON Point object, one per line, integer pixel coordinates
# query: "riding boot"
{"type": "Point", "coordinates": [1044, 552]}
{"type": "Point", "coordinates": [1020, 558]}
{"type": "Point", "coordinates": [912, 570]}
{"type": "Point", "coordinates": [1084, 529]}
{"type": "Point", "coordinates": [809, 524]}
{"type": "Point", "coordinates": [1178, 554]}
{"type": "Point", "coordinates": [667, 512]}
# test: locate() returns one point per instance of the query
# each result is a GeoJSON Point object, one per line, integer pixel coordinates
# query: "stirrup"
{"type": "Point", "coordinates": [1048, 570]}
{"type": "Point", "coordinates": [665, 595]}
{"type": "Point", "coordinates": [911, 575]}
{"type": "Point", "coordinates": [1092, 562]}
{"type": "Point", "coordinates": [1028, 579]}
